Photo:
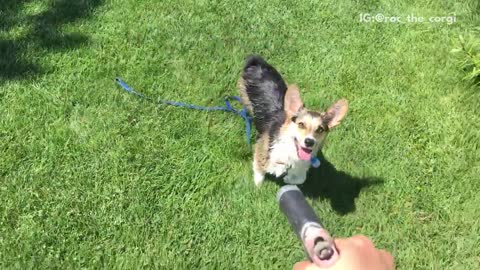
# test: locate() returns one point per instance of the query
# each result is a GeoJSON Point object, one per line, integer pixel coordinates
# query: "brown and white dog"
{"type": "Point", "coordinates": [288, 134]}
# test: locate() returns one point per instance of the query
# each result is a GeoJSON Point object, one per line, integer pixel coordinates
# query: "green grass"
{"type": "Point", "coordinates": [92, 177]}
{"type": "Point", "coordinates": [469, 50]}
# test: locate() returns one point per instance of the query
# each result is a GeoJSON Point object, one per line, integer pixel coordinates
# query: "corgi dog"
{"type": "Point", "coordinates": [288, 134]}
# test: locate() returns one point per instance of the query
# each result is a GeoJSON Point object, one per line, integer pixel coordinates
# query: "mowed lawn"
{"type": "Point", "coordinates": [92, 177]}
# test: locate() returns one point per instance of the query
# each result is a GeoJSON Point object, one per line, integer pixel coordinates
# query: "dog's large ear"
{"type": "Point", "coordinates": [336, 113]}
{"type": "Point", "coordinates": [293, 102]}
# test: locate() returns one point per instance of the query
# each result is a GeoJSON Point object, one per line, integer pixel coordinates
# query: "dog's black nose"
{"type": "Point", "coordinates": [309, 142]}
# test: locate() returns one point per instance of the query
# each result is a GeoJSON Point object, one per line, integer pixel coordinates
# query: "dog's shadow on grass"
{"type": "Point", "coordinates": [338, 187]}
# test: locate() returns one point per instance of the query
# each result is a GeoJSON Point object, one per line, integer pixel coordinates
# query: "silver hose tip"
{"type": "Point", "coordinates": [323, 250]}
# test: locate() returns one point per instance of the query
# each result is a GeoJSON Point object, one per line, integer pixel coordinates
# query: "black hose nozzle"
{"type": "Point", "coordinates": [317, 242]}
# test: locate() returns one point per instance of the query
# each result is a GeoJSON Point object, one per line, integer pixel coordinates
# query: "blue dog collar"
{"type": "Point", "coordinates": [315, 162]}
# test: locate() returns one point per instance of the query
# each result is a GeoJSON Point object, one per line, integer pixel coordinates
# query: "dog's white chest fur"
{"type": "Point", "coordinates": [284, 159]}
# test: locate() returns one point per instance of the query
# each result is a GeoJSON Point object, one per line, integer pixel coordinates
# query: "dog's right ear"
{"type": "Point", "coordinates": [293, 102]}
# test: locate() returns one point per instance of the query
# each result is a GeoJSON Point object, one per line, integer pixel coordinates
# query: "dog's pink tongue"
{"type": "Point", "coordinates": [303, 155]}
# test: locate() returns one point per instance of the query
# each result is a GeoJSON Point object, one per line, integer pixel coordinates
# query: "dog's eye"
{"type": "Point", "coordinates": [294, 118]}
{"type": "Point", "coordinates": [301, 125]}
{"type": "Point", "coordinates": [320, 130]}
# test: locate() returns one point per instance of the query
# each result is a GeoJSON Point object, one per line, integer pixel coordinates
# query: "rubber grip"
{"type": "Point", "coordinates": [295, 207]}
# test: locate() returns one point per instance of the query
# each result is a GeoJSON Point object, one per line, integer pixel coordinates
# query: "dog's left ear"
{"type": "Point", "coordinates": [336, 113]}
{"type": "Point", "coordinates": [293, 102]}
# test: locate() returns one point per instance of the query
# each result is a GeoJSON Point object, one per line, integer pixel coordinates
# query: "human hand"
{"type": "Point", "coordinates": [355, 253]}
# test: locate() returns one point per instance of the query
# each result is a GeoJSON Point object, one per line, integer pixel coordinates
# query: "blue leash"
{"type": "Point", "coordinates": [228, 107]}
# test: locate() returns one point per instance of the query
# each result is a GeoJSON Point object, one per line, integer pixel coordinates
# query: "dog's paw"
{"type": "Point", "coordinates": [292, 179]}
{"type": "Point", "coordinates": [279, 170]}
{"type": "Point", "coordinates": [258, 178]}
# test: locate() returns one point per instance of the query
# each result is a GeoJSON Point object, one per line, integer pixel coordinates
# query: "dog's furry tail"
{"type": "Point", "coordinates": [263, 91]}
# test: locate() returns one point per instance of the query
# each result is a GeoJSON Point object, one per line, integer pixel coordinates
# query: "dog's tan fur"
{"type": "Point", "coordinates": [261, 155]}
{"type": "Point", "coordinates": [243, 95]}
